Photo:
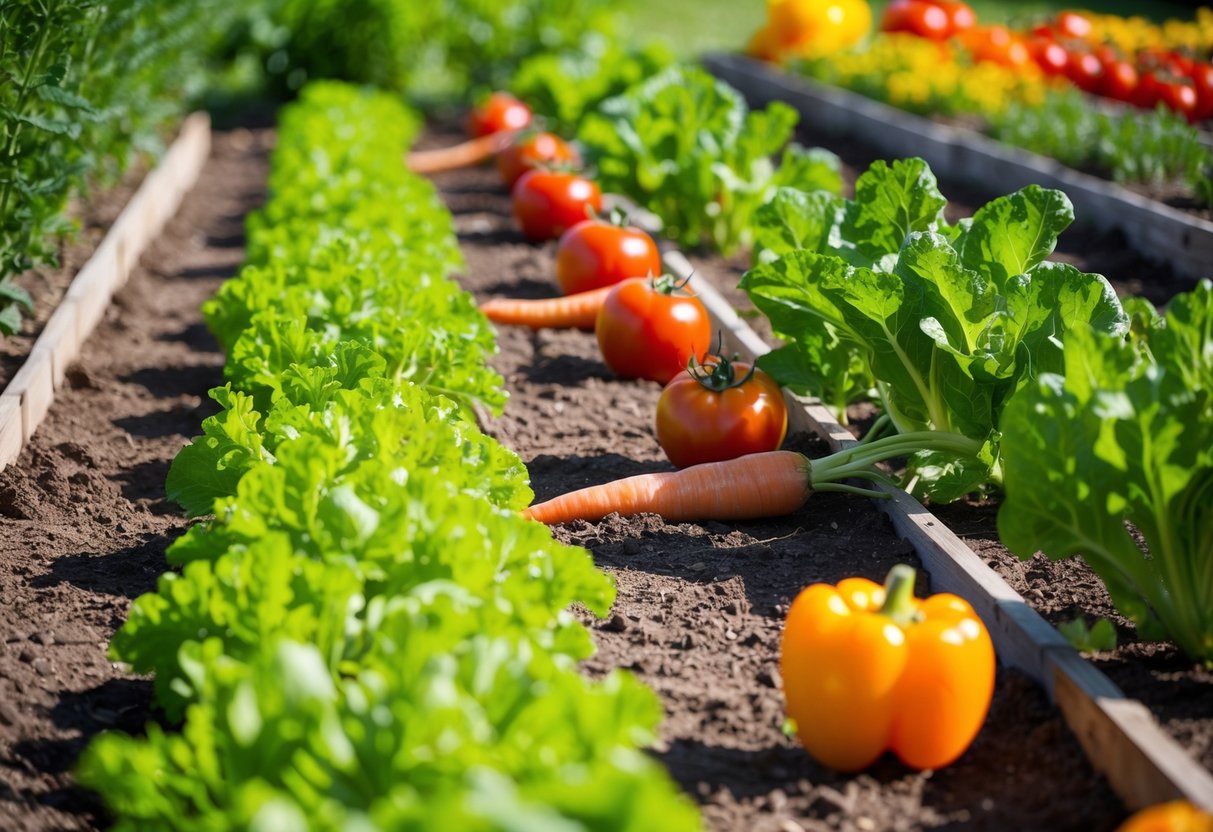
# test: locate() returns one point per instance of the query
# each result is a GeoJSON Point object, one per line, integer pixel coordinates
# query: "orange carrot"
{"type": "Point", "coordinates": [758, 485]}
{"type": "Point", "coordinates": [462, 155]}
{"type": "Point", "coordinates": [579, 310]}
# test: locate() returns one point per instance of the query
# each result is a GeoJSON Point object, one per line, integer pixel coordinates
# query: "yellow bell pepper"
{"type": "Point", "coordinates": [868, 669]}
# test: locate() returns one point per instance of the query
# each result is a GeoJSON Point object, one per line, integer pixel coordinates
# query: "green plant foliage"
{"type": "Point", "coordinates": [1089, 638]}
{"type": "Point", "coordinates": [87, 86]}
{"type": "Point", "coordinates": [950, 320]}
{"type": "Point", "coordinates": [366, 634]}
{"type": "Point", "coordinates": [437, 47]}
{"type": "Point", "coordinates": [1157, 148]}
{"type": "Point", "coordinates": [1123, 441]}
{"type": "Point", "coordinates": [686, 147]}
{"type": "Point", "coordinates": [563, 87]}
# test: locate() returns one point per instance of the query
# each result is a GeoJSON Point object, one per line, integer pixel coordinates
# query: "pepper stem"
{"type": "Point", "coordinates": [899, 594]}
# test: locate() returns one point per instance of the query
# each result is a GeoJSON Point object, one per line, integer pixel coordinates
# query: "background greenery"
{"type": "Point", "coordinates": [695, 26]}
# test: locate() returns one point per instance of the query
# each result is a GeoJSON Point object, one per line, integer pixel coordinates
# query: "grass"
{"type": "Point", "coordinates": [693, 27]}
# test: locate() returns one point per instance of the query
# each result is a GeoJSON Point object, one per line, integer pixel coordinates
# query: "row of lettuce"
{"type": "Point", "coordinates": [366, 634]}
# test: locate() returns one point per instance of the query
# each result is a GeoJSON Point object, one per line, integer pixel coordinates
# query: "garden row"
{"type": "Point", "coordinates": [953, 324]}
{"type": "Point", "coordinates": [365, 631]}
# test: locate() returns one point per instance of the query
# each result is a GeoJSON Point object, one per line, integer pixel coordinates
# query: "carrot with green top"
{"type": "Point", "coordinates": [579, 311]}
{"type": "Point", "coordinates": [757, 485]}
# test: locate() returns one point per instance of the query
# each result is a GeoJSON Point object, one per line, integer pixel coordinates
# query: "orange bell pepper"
{"type": "Point", "coordinates": [868, 669]}
{"type": "Point", "coordinates": [1175, 816]}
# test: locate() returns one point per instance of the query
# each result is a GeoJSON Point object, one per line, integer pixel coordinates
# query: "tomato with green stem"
{"type": "Point", "coordinates": [534, 150]}
{"type": "Point", "coordinates": [548, 203]}
{"type": "Point", "coordinates": [649, 328]}
{"type": "Point", "coordinates": [500, 111]}
{"type": "Point", "coordinates": [720, 409]}
{"type": "Point", "coordinates": [597, 253]}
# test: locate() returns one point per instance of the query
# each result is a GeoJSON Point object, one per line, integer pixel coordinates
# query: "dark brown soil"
{"type": "Point", "coordinates": [83, 521]}
{"type": "Point", "coordinates": [700, 606]}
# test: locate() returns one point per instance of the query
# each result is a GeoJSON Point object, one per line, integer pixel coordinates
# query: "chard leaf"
{"type": "Point", "coordinates": [794, 219]}
{"type": "Point", "coordinates": [1012, 234]}
{"type": "Point", "coordinates": [1124, 437]}
{"type": "Point", "coordinates": [890, 202]}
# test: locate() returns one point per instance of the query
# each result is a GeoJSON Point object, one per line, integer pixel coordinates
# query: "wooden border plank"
{"type": "Point", "coordinates": [1160, 232]}
{"type": "Point", "coordinates": [10, 429]}
{"type": "Point", "coordinates": [27, 399]}
{"type": "Point", "coordinates": [1119, 735]}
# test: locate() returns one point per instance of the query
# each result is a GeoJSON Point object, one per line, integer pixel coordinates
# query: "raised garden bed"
{"type": "Point", "coordinates": [700, 605]}
{"type": "Point", "coordinates": [1182, 241]}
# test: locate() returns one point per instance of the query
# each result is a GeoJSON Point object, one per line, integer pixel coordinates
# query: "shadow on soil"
{"type": "Point", "coordinates": [118, 704]}
{"type": "Point", "coordinates": [127, 572]}
{"type": "Point", "coordinates": [171, 382]}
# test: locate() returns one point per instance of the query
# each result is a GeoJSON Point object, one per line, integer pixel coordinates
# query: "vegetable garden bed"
{"type": "Point", "coordinates": [1181, 240]}
{"type": "Point", "coordinates": [701, 605]}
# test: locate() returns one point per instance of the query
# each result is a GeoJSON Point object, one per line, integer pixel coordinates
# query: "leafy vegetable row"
{"type": "Point", "coordinates": [366, 634]}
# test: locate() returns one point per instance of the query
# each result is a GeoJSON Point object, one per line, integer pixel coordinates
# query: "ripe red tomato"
{"type": "Point", "coordinates": [549, 202]}
{"type": "Point", "coordinates": [918, 17]}
{"type": "Point", "coordinates": [1202, 79]}
{"type": "Point", "coordinates": [1119, 80]}
{"type": "Point", "coordinates": [1050, 56]}
{"type": "Point", "coordinates": [532, 151]}
{"type": "Point", "coordinates": [1180, 97]}
{"type": "Point", "coordinates": [1148, 92]}
{"type": "Point", "coordinates": [645, 330]}
{"type": "Point", "coordinates": [961, 17]}
{"type": "Point", "coordinates": [1073, 25]}
{"type": "Point", "coordinates": [500, 111]}
{"type": "Point", "coordinates": [1085, 70]}
{"type": "Point", "coordinates": [596, 253]}
{"type": "Point", "coordinates": [720, 410]}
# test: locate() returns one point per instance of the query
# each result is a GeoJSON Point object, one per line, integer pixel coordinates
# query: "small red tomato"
{"type": "Point", "coordinates": [961, 17]}
{"type": "Point", "coordinates": [1050, 56]}
{"type": "Point", "coordinates": [1085, 70]}
{"type": "Point", "coordinates": [532, 151]}
{"type": "Point", "coordinates": [720, 410]}
{"type": "Point", "coordinates": [1149, 90]}
{"type": "Point", "coordinates": [1180, 97]}
{"type": "Point", "coordinates": [1120, 80]}
{"type": "Point", "coordinates": [595, 253]}
{"type": "Point", "coordinates": [1073, 25]}
{"type": "Point", "coordinates": [500, 111]}
{"type": "Point", "coordinates": [1202, 80]}
{"type": "Point", "coordinates": [549, 202]}
{"type": "Point", "coordinates": [917, 17]}
{"type": "Point", "coordinates": [645, 330]}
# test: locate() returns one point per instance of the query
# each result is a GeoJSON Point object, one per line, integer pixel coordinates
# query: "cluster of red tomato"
{"type": "Point", "coordinates": [1065, 48]}
{"type": "Point", "coordinates": [612, 279]}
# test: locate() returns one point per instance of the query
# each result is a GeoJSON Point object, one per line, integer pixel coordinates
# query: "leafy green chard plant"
{"type": "Point", "coordinates": [1115, 443]}
{"type": "Point", "coordinates": [950, 320]}
{"type": "Point", "coordinates": [686, 147]}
